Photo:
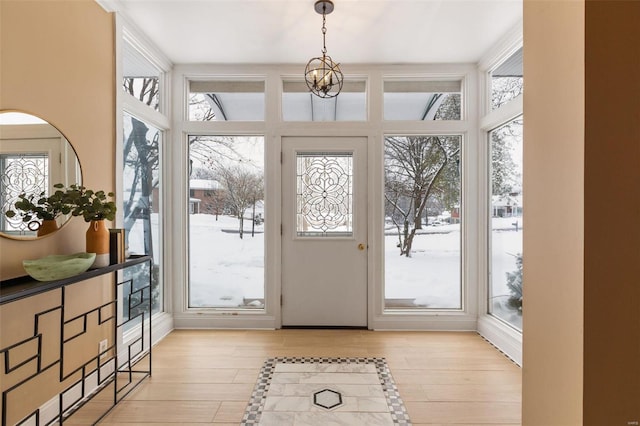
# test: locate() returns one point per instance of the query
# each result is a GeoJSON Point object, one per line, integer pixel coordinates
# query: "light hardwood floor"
{"type": "Point", "coordinates": [206, 376]}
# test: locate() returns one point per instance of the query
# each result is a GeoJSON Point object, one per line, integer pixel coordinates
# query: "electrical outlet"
{"type": "Point", "coordinates": [103, 347]}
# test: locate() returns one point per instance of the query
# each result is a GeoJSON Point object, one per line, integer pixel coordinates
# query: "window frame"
{"type": "Point", "coordinates": [489, 213]}
{"type": "Point", "coordinates": [499, 333]}
{"type": "Point", "coordinates": [127, 104]}
{"type": "Point", "coordinates": [184, 296]}
{"type": "Point", "coordinates": [464, 303]}
{"type": "Point", "coordinates": [274, 128]}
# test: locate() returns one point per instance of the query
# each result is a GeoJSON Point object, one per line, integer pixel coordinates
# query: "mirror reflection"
{"type": "Point", "coordinates": [34, 156]}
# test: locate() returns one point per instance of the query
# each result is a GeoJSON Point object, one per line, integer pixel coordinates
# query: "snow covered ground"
{"type": "Point", "coordinates": [226, 271]}
{"type": "Point", "coordinates": [431, 276]}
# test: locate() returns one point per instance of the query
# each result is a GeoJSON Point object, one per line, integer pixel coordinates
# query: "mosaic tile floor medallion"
{"type": "Point", "coordinates": [325, 392]}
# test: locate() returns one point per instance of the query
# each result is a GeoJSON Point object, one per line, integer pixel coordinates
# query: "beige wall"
{"type": "Point", "coordinates": [57, 62]}
{"type": "Point", "coordinates": [582, 268]}
{"type": "Point", "coordinates": [554, 210]}
{"type": "Point", "coordinates": [612, 214]}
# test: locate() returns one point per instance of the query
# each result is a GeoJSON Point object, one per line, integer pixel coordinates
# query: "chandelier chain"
{"type": "Point", "coordinates": [324, 32]}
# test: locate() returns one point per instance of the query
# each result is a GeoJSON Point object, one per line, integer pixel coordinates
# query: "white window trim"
{"type": "Point", "coordinates": [274, 129]}
{"type": "Point", "coordinates": [498, 332]}
{"type": "Point", "coordinates": [444, 319]}
{"type": "Point", "coordinates": [125, 103]}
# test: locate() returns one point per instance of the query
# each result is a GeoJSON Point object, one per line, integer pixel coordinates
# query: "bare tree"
{"type": "Point", "coordinates": [505, 88]}
{"type": "Point", "coordinates": [243, 188]}
{"type": "Point", "coordinates": [141, 154]}
{"type": "Point", "coordinates": [505, 176]}
{"type": "Point", "coordinates": [145, 89]}
{"type": "Point", "coordinates": [416, 169]}
{"type": "Point", "coordinates": [209, 151]}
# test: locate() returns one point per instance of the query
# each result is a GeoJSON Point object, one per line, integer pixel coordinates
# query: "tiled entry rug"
{"type": "Point", "coordinates": [325, 392]}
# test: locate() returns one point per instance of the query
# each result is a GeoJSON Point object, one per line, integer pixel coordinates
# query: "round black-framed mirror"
{"type": "Point", "coordinates": [34, 156]}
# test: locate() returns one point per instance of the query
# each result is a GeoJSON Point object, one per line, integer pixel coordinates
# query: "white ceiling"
{"type": "Point", "coordinates": [289, 31]}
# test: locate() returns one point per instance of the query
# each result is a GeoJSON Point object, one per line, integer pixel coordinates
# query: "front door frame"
{"type": "Point", "coordinates": [351, 247]}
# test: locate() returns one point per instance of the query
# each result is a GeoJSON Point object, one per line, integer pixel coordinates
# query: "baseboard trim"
{"type": "Point", "coordinates": [323, 327]}
{"type": "Point", "coordinates": [503, 337]}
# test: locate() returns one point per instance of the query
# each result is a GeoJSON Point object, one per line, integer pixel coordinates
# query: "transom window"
{"type": "Point", "coordinates": [422, 100]}
{"type": "Point", "coordinates": [300, 105]}
{"type": "Point", "coordinates": [141, 79]}
{"type": "Point", "coordinates": [226, 100]}
{"type": "Point", "coordinates": [507, 82]}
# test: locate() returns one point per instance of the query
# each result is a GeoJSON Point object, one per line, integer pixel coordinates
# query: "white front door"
{"type": "Point", "coordinates": [324, 231]}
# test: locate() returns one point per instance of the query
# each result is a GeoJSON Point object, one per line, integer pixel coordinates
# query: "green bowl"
{"type": "Point", "coordinates": [57, 267]}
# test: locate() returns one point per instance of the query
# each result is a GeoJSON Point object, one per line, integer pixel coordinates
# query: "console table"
{"type": "Point", "coordinates": [71, 349]}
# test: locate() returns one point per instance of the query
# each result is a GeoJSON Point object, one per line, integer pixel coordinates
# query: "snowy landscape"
{"type": "Point", "coordinates": [226, 271]}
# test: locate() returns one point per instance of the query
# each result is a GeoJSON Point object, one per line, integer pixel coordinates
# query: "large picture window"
{"type": "Point", "coordinates": [423, 222]}
{"type": "Point", "coordinates": [141, 199]}
{"type": "Point", "coordinates": [226, 222]}
{"type": "Point", "coordinates": [506, 223]}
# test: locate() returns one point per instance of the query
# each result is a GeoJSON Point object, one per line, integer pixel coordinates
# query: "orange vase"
{"type": "Point", "coordinates": [46, 227]}
{"type": "Point", "coordinates": [98, 242]}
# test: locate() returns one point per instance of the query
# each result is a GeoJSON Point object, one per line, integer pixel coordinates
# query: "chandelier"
{"type": "Point", "coordinates": [323, 76]}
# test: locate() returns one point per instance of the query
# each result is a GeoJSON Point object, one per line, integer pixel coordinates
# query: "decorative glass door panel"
{"type": "Point", "coordinates": [324, 195]}
{"type": "Point", "coordinates": [20, 174]}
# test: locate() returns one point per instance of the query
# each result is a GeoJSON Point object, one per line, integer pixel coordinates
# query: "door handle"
{"type": "Point", "coordinates": [361, 246]}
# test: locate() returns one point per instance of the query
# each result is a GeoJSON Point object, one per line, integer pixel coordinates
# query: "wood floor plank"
{"type": "Point", "coordinates": [476, 413]}
{"type": "Point", "coordinates": [193, 375]}
{"type": "Point", "coordinates": [192, 392]}
{"type": "Point", "coordinates": [460, 393]}
{"type": "Point", "coordinates": [455, 377]}
{"type": "Point", "coordinates": [207, 376]}
{"type": "Point", "coordinates": [247, 376]}
{"type": "Point", "coordinates": [230, 412]}
{"type": "Point", "coordinates": [175, 423]}
{"type": "Point", "coordinates": [131, 411]}
{"type": "Point", "coordinates": [464, 424]}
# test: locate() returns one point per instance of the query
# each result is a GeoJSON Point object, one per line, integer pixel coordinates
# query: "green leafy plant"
{"type": "Point", "coordinates": [91, 205]}
{"type": "Point", "coordinates": [38, 206]}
